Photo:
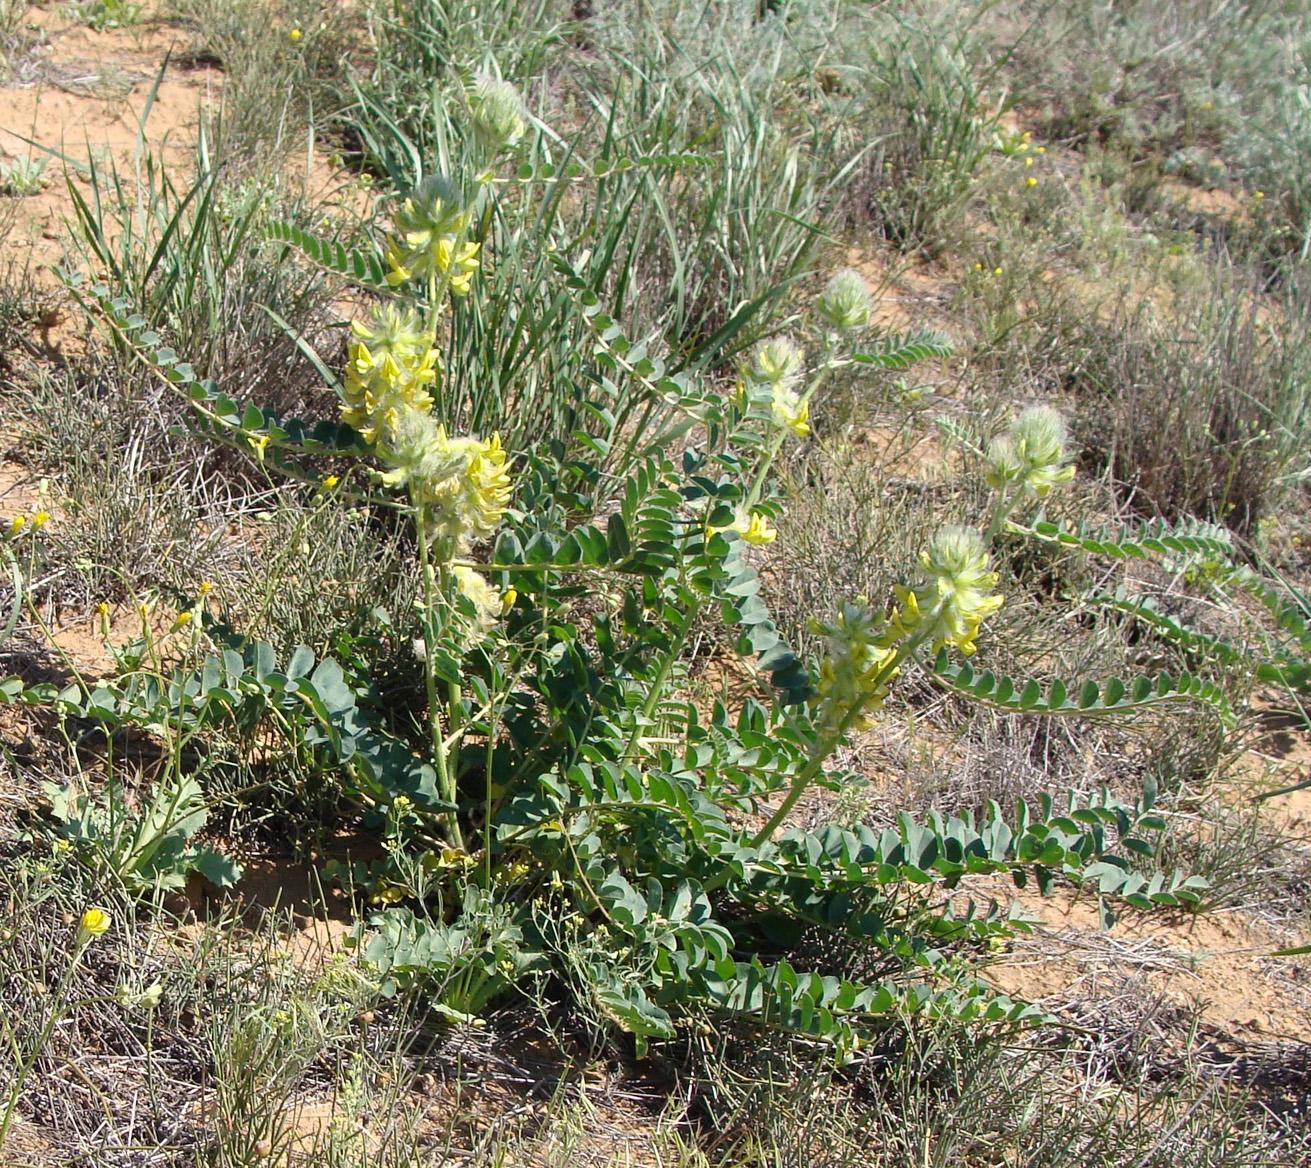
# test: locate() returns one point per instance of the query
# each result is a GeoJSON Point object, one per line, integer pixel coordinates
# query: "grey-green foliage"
{"type": "Point", "coordinates": [1210, 405]}
{"type": "Point", "coordinates": [190, 253]}
{"type": "Point", "coordinates": [142, 845]}
{"type": "Point", "coordinates": [464, 965]}
{"type": "Point", "coordinates": [24, 175]}
{"type": "Point", "coordinates": [1214, 91]}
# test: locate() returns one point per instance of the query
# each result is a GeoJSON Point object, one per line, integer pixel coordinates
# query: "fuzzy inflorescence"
{"type": "Point", "coordinates": [431, 230]}
{"type": "Point", "coordinates": [845, 303]}
{"type": "Point", "coordinates": [1032, 453]}
{"type": "Point", "coordinates": [951, 597]}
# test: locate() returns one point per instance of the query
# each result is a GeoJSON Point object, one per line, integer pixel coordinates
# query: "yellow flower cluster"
{"type": "Point", "coordinates": [431, 229]}
{"type": "Point", "coordinates": [462, 483]}
{"type": "Point", "coordinates": [772, 372]}
{"type": "Point", "coordinates": [1033, 453]}
{"type": "Point", "coordinates": [391, 366]}
{"type": "Point", "coordinates": [951, 599]}
{"type": "Point", "coordinates": [855, 673]}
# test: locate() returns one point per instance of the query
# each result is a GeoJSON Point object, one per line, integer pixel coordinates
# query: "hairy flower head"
{"type": "Point", "coordinates": [1033, 453]}
{"type": "Point", "coordinates": [430, 237]}
{"type": "Point", "coordinates": [846, 303]}
{"type": "Point", "coordinates": [855, 673]}
{"type": "Point", "coordinates": [769, 376]}
{"type": "Point", "coordinates": [498, 115]}
{"type": "Point", "coordinates": [774, 362]}
{"type": "Point", "coordinates": [950, 599]}
{"type": "Point", "coordinates": [464, 483]}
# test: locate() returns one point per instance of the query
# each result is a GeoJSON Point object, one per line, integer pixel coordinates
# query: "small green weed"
{"type": "Point", "coordinates": [105, 14]}
{"type": "Point", "coordinates": [23, 176]}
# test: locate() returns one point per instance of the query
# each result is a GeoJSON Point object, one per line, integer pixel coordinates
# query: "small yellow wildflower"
{"type": "Point", "coordinates": [40, 519]}
{"type": "Point", "coordinates": [183, 619]}
{"type": "Point", "coordinates": [259, 443]}
{"type": "Point", "coordinates": [774, 362]}
{"type": "Point", "coordinates": [294, 35]}
{"type": "Point", "coordinates": [1041, 150]}
{"type": "Point", "coordinates": [1028, 162]}
{"type": "Point", "coordinates": [996, 271]}
{"type": "Point", "coordinates": [151, 996]}
{"type": "Point", "coordinates": [754, 528]}
{"type": "Point", "coordinates": [17, 523]}
{"type": "Point", "coordinates": [1030, 181]}
{"type": "Point", "coordinates": [206, 587]}
{"type": "Point", "coordinates": [508, 597]}
{"type": "Point", "coordinates": [330, 481]}
{"type": "Point", "coordinates": [94, 923]}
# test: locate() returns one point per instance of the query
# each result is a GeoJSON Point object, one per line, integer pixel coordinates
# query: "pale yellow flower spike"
{"type": "Point", "coordinates": [390, 369]}
{"type": "Point", "coordinates": [430, 237]}
{"type": "Point", "coordinates": [950, 601]}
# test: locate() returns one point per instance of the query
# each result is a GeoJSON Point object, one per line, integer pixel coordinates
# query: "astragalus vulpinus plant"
{"type": "Point", "coordinates": [566, 811]}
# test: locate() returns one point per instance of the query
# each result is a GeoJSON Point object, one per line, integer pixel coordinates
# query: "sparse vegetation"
{"type": "Point", "coordinates": [617, 583]}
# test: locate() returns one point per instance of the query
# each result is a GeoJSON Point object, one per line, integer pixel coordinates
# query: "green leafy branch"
{"type": "Point", "coordinates": [1084, 698]}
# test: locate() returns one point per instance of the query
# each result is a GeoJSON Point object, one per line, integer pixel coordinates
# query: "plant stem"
{"type": "Point", "coordinates": [758, 485]}
{"type": "Point", "coordinates": [824, 746]}
{"type": "Point", "coordinates": [661, 677]}
{"type": "Point", "coordinates": [1000, 513]}
{"type": "Point", "coordinates": [445, 780]}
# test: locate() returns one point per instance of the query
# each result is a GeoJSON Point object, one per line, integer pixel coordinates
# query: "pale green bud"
{"type": "Point", "coordinates": [498, 114]}
{"type": "Point", "coordinates": [846, 303]}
